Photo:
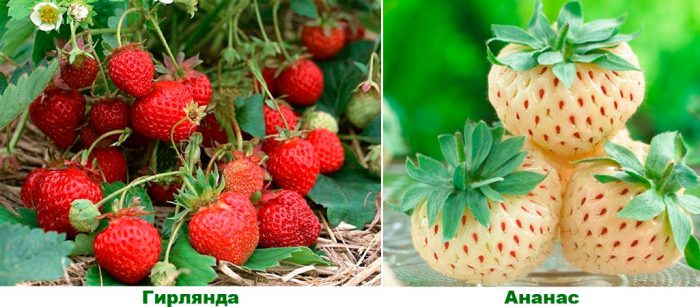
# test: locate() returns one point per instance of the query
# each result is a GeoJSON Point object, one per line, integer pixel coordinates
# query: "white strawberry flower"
{"type": "Point", "coordinates": [78, 11]}
{"type": "Point", "coordinates": [46, 16]}
{"type": "Point", "coordinates": [165, 1]}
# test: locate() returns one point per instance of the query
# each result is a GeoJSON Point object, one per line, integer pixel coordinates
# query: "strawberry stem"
{"type": "Point", "coordinates": [134, 183]}
{"type": "Point", "coordinates": [260, 23]}
{"type": "Point", "coordinates": [275, 8]}
{"type": "Point", "coordinates": [103, 75]}
{"type": "Point", "coordinates": [99, 139]}
{"type": "Point", "coordinates": [121, 20]}
{"type": "Point", "coordinates": [172, 140]}
{"type": "Point", "coordinates": [18, 131]}
{"type": "Point", "coordinates": [154, 21]}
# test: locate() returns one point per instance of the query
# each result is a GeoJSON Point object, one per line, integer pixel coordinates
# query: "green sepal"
{"type": "Point", "coordinates": [692, 253]}
{"type": "Point", "coordinates": [643, 207]}
{"type": "Point", "coordinates": [479, 207]}
{"type": "Point", "coordinates": [518, 183]}
{"type": "Point", "coordinates": [411, 198]}
{"type": "Point", "coordinates": [452, 213]}
{"type": "Point", "coordinates": [623, 156]}
{"type": "Point", "coordinates": [448, 147]}
{"type": "Point", "coordinates": [689, 202]}
{"type": "Point", "coordinates": [436, 200]}
{"type": "Point", "coordinates": [680, 224]}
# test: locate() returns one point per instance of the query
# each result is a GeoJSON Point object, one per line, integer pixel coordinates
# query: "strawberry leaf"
{"type": "Point", "coordinates": [306, 8]}
{"type": "Point", "coordinates": [686, 176]}
{"type": "Point", "coordinates": [515, 35]}
{"type": "Point", "coordinates": [96, 278]}
{"type": "Point", "coordinates": [689, 202]}
{"type": "Point", "coordinates": [448, 146]}
{"type": "Point", "coordinates": [24, 216]}
{"type": "Point", "coordinates": [643, 207]}
{"type": "Point", "coordinates": [692, 253]}
{"type": "Point", "coordinates": [518, 183]}
{"type": "Point", "coordinates": [341, 76]}
{"type": "Point", "coordinates": [459, 179]}
{"type": "Point", "coordinates": [550, 58]}
{"type": "Point", "coordinates": [83, 244]}
{"type": "Point", "coordinates": [265, 258]}
{"type": "Point", "coordinates": [491, 194]}
{"type": "Point", "coordinates": [31, 254]}
{"type": "Point", "coordinates": [349, 195]}
{"type": "Point", "coordinates": [501, 160]}
{"type": "Point", "coordinates": [662, 151]}
{"type": "Point", "coordinates": [572, 14]}
{"type": "Point", "coordinates": [623, 156]}
{"type": "Point", "coordinates": [452, 213]}
{"type": "Point", "coordinates": [481, 146]}
{"type": "Point", "coordinates": [136, 193]}
{"type": "Point", "coordinates": [479, 207]}
{"type": "Point", "coordinates": [606, 178]}
{"type": "Point", "coordinates": [18, 95]}
{"type": "Point", "coordinates": [614, 62]}
{"type": "Point", "coordinates": [680, 224]}
{"type": "Point", "coordinates": [412, 198]}
{"type": "Point", "coordinates": [436, 201]}
{"type": "Point", "coordinates": [566, 72]}
{"type": "Point", "coordinates": [250, 115]}
{"type": "Point", "coordinates": [197, 268]}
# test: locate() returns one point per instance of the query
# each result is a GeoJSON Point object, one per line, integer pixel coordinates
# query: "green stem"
{"type": "Point", "coordinates": [173, 236]}
{"type": "Point", "coordinates": [367, 139]}
{"type": "Point", "coordinates": [665, 178]}
{"type": "Point", "coordinates": [121, 20]}
{"type": "Point", "coordinates": [172, 140]}
{"type": "Point", "coordinates": [257, 73]}
{"type": "Point", "coordinates": [154, 21]}
{"type": "Point", "coordinates": [260, 23]}
{"type": "Point", "coordinates": [73, 40]}
{"type": "Point", "coordinates": [99, 65]}
{"type": "Point", "coordinates": [275, 8]}
{"type": "Point", "coordinates": [235, 27]}
{"type": "Point", "coordinates": [99, 139]}
{"type": "Point", "coordinates": [562, 37]}
{"type": "Point", "coordinates": [17, 133]}
{"type": "Point", "coordinates": [134, 183]}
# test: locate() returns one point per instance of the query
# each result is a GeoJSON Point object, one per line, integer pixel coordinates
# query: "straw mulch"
{"type": "Point", "coordinates": [355, 255]}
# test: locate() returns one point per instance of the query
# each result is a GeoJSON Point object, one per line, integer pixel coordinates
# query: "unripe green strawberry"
{"type": "Point", "coordinates": [375, 160]}
{"type": "Point", "coordinates": [164, 274]}
{"type": "Point", "coordinates": [364, 106]}
{"type": "Point", "coordinates": [320, 120]}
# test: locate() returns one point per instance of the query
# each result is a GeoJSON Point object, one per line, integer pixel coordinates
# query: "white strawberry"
{"type": "Point", "coordinates": [501, 237]}
{"type": "Point", "coordinates": [568, 88]}
{"type": "Point", "coordinates": [623, 217]}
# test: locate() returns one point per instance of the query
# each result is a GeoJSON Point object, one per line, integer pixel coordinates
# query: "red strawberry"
{"type": "Point", "coordinates": [89, 135]}
{"type": "Point", "coordinates": [323, 43]}
{"type": "Point", "coordinates": [226, 230]}
{"type": "Point", "coordinates": [212, 132]}
{"type": "Point", "coordinates": [109, 114]}
{"type": "Point", "coordinates": [81, 73]}
{"type": "Point", "coordinates": [128, 248]}
{"type": "Point", "coordinates": [269, 145]}
{"type": "Point", "coordinates": [293, 165]}
{"type": "Point", "coordinates": [302, 82]}
{"type": "Point", "coordinates": [155, 114]}
{"type": "Point", "coordinates": [161, 194]}
{"type": "Point", "coordinates": [256, 155]}
{"type": "Point", "coordinates": [268, 74]}
{"type": "Point", "coordinates": [243, 177]}
{"type": "Point", "coordinates": [58, 114]}
{"type": "Point", "coordinates": [54, 193]}
{"type": "Point", "coordinates": [29, 186]}
{"type": "Point", "coordinates": [329, 150]}
{"type": "Point", "coordinates": [352, 32]}
{"type": "Point", "coordinates": [131, 70]}
{"type": "Point", "coordinates": [287, 220]}
{"type": "Point", "coordinates": [110, 163]}
{"type": "Point", "coordinates": [199, 87]}
{"type": "Point", "coordinates": [273, 120]}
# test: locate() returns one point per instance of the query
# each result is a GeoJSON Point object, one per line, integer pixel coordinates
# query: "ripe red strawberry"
{"type": "Point", "coordinates": [256, 155]}
{"type": "Point", "coordinates": [110, 163]}
{"type": "Point", "coordinates": [268, 74]}
{"type": "Point", "coordinates": [128, 248]}
{"type": "Point", "coordinates": [155, 114]}
{"type": "Point", "coordinates": [287, 220]}
{"type": "Point", "coordinates": [58, 114]}
{"type": "Point", "coordinates": [244, 177]}
{"type": "Point", "coordinates": [81, 73]}
{"type": "Point", "coordinates": [293, 165]}
{"type": "Point", "coordinates": [352, 32]}
{"type": "Point", "coordinates": [302, 82]}
{"type": "Point", "coordinates": [199, 87]}
{"type": "Point", "coordinates": [89, 135]}
{"type": "Point", "coordinates": [212, 132]}
{"type": "Point", "coordinates": [29, 186]}
{"type": "Point", "coordinates": [273, 120]}
{"type": "Point", "coordinates": [226, 230]}
{"type": "Point", "coordinates": [109, 114]}
{"type": "Point", "coordinates": [329, 150]}
{"type": "Point", "coordinates": [323, 42]}
{"type": "Point", "coordinates": [269, 145]}
{"type": "Point", "coordinates": [161, 194]}
{"type": "Point", "coordinates": [56, 190]}
{"type": "Point", "coordinates": [131, 70]}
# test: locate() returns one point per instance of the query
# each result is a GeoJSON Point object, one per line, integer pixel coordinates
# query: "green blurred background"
{"type": "Point", "coordinates": [436, 68]}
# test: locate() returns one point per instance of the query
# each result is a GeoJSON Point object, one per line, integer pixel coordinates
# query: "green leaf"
{"type": "Point", "coordinates": [623, 156]}
{"type": "Point", "coordinates": [434, 167]}
{"type": "Point", "coordinates": [134, 193]}
{"type": "Point", "coordinates": [689, 202]}
{"type": "Point", "coordinates": [502, 153]}
{"type": "Point", "coordinates": [687, 177]}
{"type": "Point", "coordinates": [17, 97]}
{"type": "Point", "coordinates": [479, 207]}
{"type": "Point", "coordinates": [481, 146]}
{"type": "Point", "coordinates": [428, 171]}
{"type": "Point", "coordinates": [520, 60]}
{"type": "Point", "coordinates": [349, 195]}
{"type": "Point", "coordinates": [643, 207]}
{"type": "Point", "coordinates": [265, 258]}
{"type": "Point", "coordinates": [31, 254]}
{"type": "Point", "coordinates": [197, 268]}
{"type": "Point", "coordinates": [661, 153]}
{"type": "Point", "coordinates": [614, 62]}
{"type": "Point", "coordinates": [83, 244]}
{"type": "Point", "coordinates": [436, 200]}
{"type": "Point", "coordinates": [452, 213]}
{"type": "Point", "coordinates": [459, 179]}
{"type": "Point", "coordinates": [7, 216]}
{"type": "Point", "coordinates": [250, 115]}
{"type": "Point", "coordinates": [609, 43]}
{"type": "Point", "coordinates": [515, 35]}
{"type": "Point", "coordinates": [306, 8]}
{"type": "Point", "coordinates": [448, 146]}
{"type": "Point", "coordinates": [43, 43]}
{"type": "Point", "coordinates": [412, 198]}
{"type": "Point", "coordinates": [585, 58]}
{"type": "Point", "coordinates": [518, 183]}
{"type": "Point", "coordinates": [680, 224]}
{"type": "Point", "coordinates": [572, 14]}
{"type": "Point", "coordinates": [509, 166]}
{"type": "Point", "coordinates": [606, 178]}
{"type": "Point", "coordinates": [541, 27]}
{"type": "Point", "coordinates": [597, 31]}
{"type": "Point", "coordinates": [95, 279]}
{"type": "Point", "coordinates": [341, 77]}
{"type": "Point", "coordinates": [566, 72]}
{"type": "Point", "coordinates": [692, 253]}
{"type": "Point", "coordinates": [491, 194]}
{"type": "Point", "coordinates": [550, 58]}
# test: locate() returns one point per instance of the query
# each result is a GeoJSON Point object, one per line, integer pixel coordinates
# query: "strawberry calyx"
{"type": "Point", "coordinates": [481, 166]}
{"type": "Point", "coordinates": [327, 21]}
{"type": "Point", "coordinates": [134, 210]}
{"type": "Point", "coordinates": [664, 175]}
{"type": "Point", "coordinates": [183, 69]}
{"type": "Point", "coordinates": [570, 41]}
{"type": "Point", "coordinates": [200, 190]}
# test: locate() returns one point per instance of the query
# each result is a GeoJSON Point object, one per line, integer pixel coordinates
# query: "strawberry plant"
{"type": "Point", "coordinates": [559, 164]}
{"type": "Point", "coordinates": [158, 142]}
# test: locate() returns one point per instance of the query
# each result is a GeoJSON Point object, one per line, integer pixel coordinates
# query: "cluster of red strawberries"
{"type": "Point", "coordinates": [261, 201]}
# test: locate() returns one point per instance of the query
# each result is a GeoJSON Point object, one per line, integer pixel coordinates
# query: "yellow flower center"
{"type": "Point", "coordinates": [48, 14]}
